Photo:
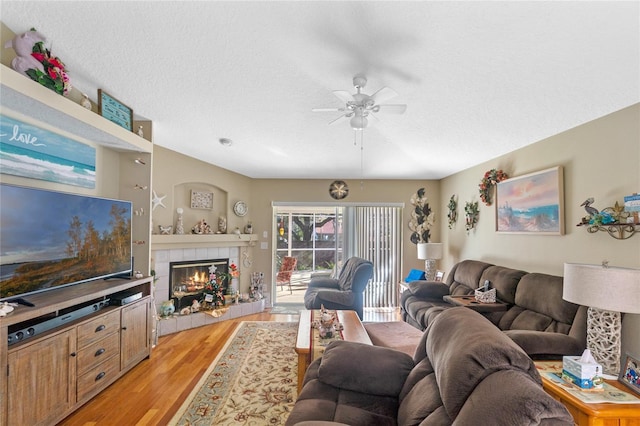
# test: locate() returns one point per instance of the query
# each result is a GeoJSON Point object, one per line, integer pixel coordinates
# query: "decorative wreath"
{"type": "Point", "coordinates": [490, 179]}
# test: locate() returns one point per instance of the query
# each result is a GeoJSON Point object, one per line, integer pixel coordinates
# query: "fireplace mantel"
{"type": "Point", "coordinates": [168, 242]}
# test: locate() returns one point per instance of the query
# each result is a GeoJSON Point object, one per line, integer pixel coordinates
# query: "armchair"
{"type": "Point", "coordinates": [286, 270]}
{"type": "Point", "coordinates": [345, 292]}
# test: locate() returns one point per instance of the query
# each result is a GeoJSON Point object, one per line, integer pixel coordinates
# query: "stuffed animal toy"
{"type": "Point", "coordinates": [23, 46]}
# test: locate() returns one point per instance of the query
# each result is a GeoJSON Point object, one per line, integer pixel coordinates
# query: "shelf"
{"type": "Point", "coordinates": [619, 231]}
{"type": "Point", "coordinates": [167, 242]}
{"type": "Point", "coordinates": [30, 98]}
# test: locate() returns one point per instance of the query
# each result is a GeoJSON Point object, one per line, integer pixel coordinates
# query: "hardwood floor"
{"type": "Point", "coordinates": [152, 392]}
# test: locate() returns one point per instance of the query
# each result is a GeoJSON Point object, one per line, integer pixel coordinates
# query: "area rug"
{"type": "Point", "coordinates": [253, 381]}
{"type": "Point", "coordinates": [288, 308]}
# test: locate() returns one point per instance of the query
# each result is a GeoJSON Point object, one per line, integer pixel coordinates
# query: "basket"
{"type": "Point", "coordinates": [488, 296]}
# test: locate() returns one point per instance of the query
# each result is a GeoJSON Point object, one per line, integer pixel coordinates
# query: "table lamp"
{"type": "Point", "coordinates": [608, 292]}
{"type": "Point", "coordinates": [430, 252]}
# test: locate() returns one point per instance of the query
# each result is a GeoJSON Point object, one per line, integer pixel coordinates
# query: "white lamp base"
{"type": "Point", "coordinates": [603, 338]}
{"type": "Point", "coordinates": [430, 269]}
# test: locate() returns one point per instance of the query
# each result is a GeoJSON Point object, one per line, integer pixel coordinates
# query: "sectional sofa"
{"type": "Point", "coordinates": [536, 318]}
{"type": "Point", "coordinates": [465, 371]}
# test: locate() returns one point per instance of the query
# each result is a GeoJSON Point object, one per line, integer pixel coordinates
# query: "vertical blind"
{"type": "Point", "coordinates": [379, 239]}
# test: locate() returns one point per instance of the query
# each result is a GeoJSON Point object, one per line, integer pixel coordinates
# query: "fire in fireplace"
{"type": "Point", "coordinates": [188, 278]}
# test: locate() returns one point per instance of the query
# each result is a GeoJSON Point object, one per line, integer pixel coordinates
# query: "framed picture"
{"type": "Point", "coordinates": [630, 373]}
{"type": "Point", "coordinates": [201, 200]}
{"type": "Point", "coordinates": [531, 204]}
{"type": "Point", "coordinates": [114, 110]}
{"type": "Point", "coordinates": [439, 276]}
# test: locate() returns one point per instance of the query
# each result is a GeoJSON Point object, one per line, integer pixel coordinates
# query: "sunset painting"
{"type": "Point", "coordinates": [531, 203]}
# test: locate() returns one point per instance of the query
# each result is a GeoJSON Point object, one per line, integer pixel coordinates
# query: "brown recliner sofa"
{"type": "Point", "coordinates": [537, 318]}
{"type": "Point", "coordinates": [465, 371]}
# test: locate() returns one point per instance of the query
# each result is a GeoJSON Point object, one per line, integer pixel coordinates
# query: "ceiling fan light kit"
{"type": "Point", "coordinates": [359, 107]}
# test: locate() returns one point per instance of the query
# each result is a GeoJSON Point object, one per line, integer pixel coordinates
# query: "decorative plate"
{"type": "Point", "coordinates": [240, 208]}
{"type": "Point", "coordinates": [338, 189]}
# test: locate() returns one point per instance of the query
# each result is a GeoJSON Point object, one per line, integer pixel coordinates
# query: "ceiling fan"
{"type": "Point", "coordinates": [359, 107]}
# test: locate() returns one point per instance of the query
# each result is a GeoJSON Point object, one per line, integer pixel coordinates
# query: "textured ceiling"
{"type": "Point", "coordinates": [480, 78]}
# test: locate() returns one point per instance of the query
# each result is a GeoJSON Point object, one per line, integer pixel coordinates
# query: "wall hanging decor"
{"type": "Point", "coordinates": [619, 221]}
{"type": "Point", "coordinates": [201, 200]}
{"type": "Point", "coordinates": [453, 211]}
{"type": "Point", "coordinates": [471, 213]}
{"type": "Point", "coordinates": [32, 152]}
{"type": "Point", "coordinates": [422, 218]}
{"type": "Point", "coordinates": [114, 110]}
{"type": "Point", "coordinates": [531, 204]}
{"type": "Point", "coordinates": [490, 179]}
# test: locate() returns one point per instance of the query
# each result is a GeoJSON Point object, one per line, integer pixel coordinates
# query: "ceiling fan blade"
{"type": "Point", "coordinates": [339, 119]}
{"type": "Point", "coordinates": [344, 96]}
{"type": "Point", "coordinates": [327, 109]}
{"type": "Point", "coordinates": [391, 108]}
{"type": "Point", "coordinates": [383, 94]}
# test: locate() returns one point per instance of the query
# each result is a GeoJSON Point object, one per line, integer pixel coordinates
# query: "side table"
{"type": "Point", "coordinates": [591, 414]}
{"type": "Point", "coordinates": [470, 302]}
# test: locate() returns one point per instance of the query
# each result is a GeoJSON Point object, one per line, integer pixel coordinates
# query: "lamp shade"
{"type": "Point", "coordinates": [603, 287]}
{"type": "Point", "coordinates": [430, 251]}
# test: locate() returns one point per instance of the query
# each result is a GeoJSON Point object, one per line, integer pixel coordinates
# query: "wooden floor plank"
{"type": "Point", "coordinates": [152, 392]}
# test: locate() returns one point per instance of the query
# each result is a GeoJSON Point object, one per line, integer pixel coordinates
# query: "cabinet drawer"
{"type": "Point", "coordinates": [94, 354]}
{"type": "Point", "coordinates": [98, 377]}
{"type": "Point", "coordinates": [98, 328]}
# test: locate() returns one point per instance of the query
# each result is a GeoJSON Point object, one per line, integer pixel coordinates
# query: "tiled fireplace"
{"type": "Point", "coordinates": [187, 279]}
{"type": "Point", "coordinates": [170, 250]}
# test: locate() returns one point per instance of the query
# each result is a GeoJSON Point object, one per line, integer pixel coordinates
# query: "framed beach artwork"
{"type": "Point", "coordinates": [531, 204]}
{"type": "Point", "coordinates": [30, 151]}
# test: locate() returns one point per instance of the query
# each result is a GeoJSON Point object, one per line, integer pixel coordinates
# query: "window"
{"type": "Point", "coordinates": [311, 235]}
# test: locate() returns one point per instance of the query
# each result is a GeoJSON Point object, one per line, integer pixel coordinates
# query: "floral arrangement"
{"type": "Point", "coordinates": [471, 215]}
{"type": "Point", "coordinates": [422, 218]}
{"type": "Point", "coordinates": [54, 76]}
{"type": "Point", "coordinates": [490, 179]}
{"type": "Point", "coordinates": [453, 212]}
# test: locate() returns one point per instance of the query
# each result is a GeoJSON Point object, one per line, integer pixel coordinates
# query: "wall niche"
{"type": "Point", "coordinates": [199, 201]}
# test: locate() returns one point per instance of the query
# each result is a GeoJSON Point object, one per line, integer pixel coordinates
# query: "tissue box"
{"type": "Point", "coordinates": [580, 373]}
{"type": "Point", "coordinates": [488, 296]}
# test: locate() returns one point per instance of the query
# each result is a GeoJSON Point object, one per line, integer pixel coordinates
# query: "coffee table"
{"type": "Point", "coordinates": [353, 331]}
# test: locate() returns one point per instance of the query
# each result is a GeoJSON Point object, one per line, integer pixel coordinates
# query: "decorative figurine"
{"type": "Point", "coordinates": [179, 223]}
{"type": "Point", "coordinates": [167, 308]}
{"type": "Point", "coordinates": [201, 228]}
{"type": "Point", "coordinates": [85, 102]}
{"type": "Point", "coordinates": [140, 132]}
{"type": "Point", "coordinates": [222, 225]}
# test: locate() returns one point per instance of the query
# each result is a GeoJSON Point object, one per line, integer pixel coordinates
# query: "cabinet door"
{"type": "Point", "coordinates": [42, 380]}
{"type": "Point", "coordinates": [134, 334]}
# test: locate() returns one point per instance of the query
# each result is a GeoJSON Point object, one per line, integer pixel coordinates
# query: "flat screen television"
{"type": "Point", "coordinates": [51, 239]}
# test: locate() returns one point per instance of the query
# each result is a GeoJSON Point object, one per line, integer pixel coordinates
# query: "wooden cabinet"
{"type": "Point", "coordinates": [135, 337]}
{"type": "Point", "coordinates": [41, 380]}
{"type": "Point", "coordinates": [53, 373]}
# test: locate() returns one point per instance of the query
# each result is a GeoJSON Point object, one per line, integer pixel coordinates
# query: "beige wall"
{"type": "Point", "coordinates": [266, 191]}
{"type": "Point", "coordinates": [601, 159]}
{"type": "Point", "coordinates": [172, 170]}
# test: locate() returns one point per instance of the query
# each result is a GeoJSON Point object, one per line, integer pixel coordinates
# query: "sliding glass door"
{"type": "Point", "coordinates": [323, 237]}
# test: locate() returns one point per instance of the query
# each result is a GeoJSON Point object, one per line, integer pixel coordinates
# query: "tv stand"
{"type": "Point", "coordinates": [76, 360]}
{"type": "Point", "coordinates": [21, 301]}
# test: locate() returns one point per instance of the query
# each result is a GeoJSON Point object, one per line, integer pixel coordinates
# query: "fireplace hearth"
{"type": "Point", "coordinates": [188, 278]}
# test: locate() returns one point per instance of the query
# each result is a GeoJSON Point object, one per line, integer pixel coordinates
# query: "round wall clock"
{"type": "Point", "coordinates": [338, 189]}
{"type": "Point", "coordinates": [240, 208]}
